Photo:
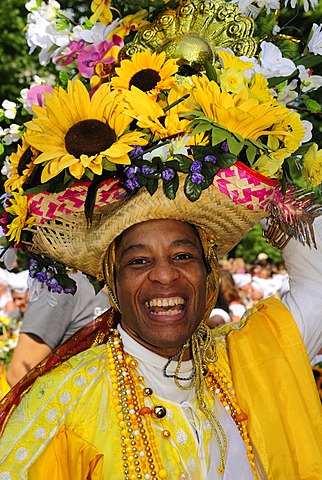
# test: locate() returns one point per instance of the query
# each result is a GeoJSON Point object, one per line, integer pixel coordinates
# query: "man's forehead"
{"type": "Point", "coordinates": [176, 232]}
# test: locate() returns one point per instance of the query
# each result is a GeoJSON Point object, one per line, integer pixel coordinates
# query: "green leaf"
{"type": "Point", "coordinates": [184, 162]}
{"type": "Point", "coordinates": [251, 153]}
{"type": "Point", "coordinates": [210, 71]}
{"type": "Point", "coordinates": [309, 61]}
{"type": "Point", "coordinates": [200, 152]}
{"type": "Point", "coordinates": [63, 78]}
{"type": "Point", "coordinates": [152, 186]}
{"type": "Point", "coordinates": [200, 128]}
{"type": "Point", "coordinates": [170, 188]}
{"type": "Point", "coordinates": [192, 190]}
{"type": "Point", "coordinates": [312, 106]}
{"type": "Point", "coordinates": [1, 148]}
{"type": "Point", "coordinates": [108, 166]}
{"type": "Point", "coordinates": [142, 179]}
{"type": "Point", "coordinates": [234, 145]}
{"type": "Point", "coordinates": [226, 160]}
{"type": "Point", "coordinates": [207, 182]}
{"type": "Point", "coordinates": [218, 135]}
{"type": "Point", "coordinates": [173, 164]}
{"type": "Point", "coordinates": [209, 169]}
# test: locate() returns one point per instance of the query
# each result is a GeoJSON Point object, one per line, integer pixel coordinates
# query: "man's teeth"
{"type": "Point", "coordinates": [165, 302]}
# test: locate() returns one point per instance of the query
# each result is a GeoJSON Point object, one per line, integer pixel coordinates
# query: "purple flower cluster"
{"type": "Point", "coordinates": [224, 147]}
{"type": "Point", "coordinates": [47, 275]}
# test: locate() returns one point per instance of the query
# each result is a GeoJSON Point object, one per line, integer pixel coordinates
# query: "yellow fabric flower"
{"type": "Point", "coordinates": [150, 72]}
{"type": "Point", "coordinates": [258, 88]}
{"type": "Point", "coordinates": [81, 133]}
{"type": "Point", "coordinates": [290, 131]}
{"type": "Point", "coordinates": [101, 11]}
{"type": "Point", "coordinates": [229, 60]}
{"type": "Point", "coordinates": [131, 23]}
{"type": "Point", "coordinates": [312, 165]}
{"type": "Point", "coordinates": [22, 166]}
{"type": "Point", "coordinates": [232, 80]}
{"type": "Point", "coordinates": [270, 165]}
{"type": "Point", "coordinates": [19, 209]}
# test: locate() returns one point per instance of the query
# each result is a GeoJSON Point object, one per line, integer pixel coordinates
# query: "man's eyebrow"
{"type": "Point", "coordinates": [184, 242]}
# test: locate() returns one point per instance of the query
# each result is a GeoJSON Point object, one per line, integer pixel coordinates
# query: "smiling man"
{"type": "Point", "coordinates": [161, 286]}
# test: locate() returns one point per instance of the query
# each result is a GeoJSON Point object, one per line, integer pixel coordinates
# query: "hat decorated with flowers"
{"type": "Point", "coordinates": [173, 112]}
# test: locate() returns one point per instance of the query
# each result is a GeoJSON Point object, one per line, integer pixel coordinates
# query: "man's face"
{"type": "Point", "coordinates": [160, 284]}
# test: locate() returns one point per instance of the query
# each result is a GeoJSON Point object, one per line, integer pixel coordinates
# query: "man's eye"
{"type": "Point", "coordinates": [138, 261]}
{"type": "Point", "coordinates": [183, 256]}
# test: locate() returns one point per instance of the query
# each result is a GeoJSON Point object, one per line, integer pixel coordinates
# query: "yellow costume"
{"type": "Point", "coordinates": [71, 421]}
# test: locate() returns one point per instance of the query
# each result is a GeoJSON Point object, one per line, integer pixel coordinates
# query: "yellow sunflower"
{"type": "Point", "coordinates": [238, 113]}
{"type": "Point", "coordinates": [81, 133]}
{"type": "Point", "coordinates": [149, 115]}
{"type": "Point", "coordinates": [19, 209]}
{"type": "Point", "coordinates": [150, 72]}
{"type": "Point", "coordinates": [22, 166]}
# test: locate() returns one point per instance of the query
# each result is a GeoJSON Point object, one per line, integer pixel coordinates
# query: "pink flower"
{"type": "Point", "coordinates": [71, 53]}
{"type": "Point", "coordinates": [92, 55]}
{"type": "Point", "coordinates": [35, 95]}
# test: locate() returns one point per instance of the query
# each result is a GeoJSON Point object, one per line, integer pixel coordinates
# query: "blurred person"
{"type": "Point", "coordinates": [220, 314]}
{"type": "Point", "coordinates": [231, 294]}
{"type": "Point", "coordinates": [45, 327]}
{"type": "Point", "coordinates": [17, 282]}
{"type": "Point", "coordinates": [5, 295]}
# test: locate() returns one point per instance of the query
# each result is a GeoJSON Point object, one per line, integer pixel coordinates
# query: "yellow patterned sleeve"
{"type": "Point", "coordinates": [52, 412]}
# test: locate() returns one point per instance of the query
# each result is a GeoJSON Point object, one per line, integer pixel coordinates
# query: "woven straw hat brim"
{"type": "Point", "coordinates": [69, 240]}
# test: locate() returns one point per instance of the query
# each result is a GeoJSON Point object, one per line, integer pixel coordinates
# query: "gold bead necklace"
{"type": "Point", "coordinates": [140, 456]}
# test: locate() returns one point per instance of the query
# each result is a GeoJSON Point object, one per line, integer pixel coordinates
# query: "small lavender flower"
{"type": "Point", "coordinates": [41, 276]}
{"type": "Point", "coordinates": [69, 290]}
{"type": "Point", "coordinates": [224, 147]}
{"type": "Point", "coordinates": [54, 285]}
{"type": "Point", "coordinates": [196, 166]}
{"type": "Point", "coordinates": [167, 174]}
{"type": "Point", "coordinates": [148, 170]}
{"type": "Point", "coordinates": [131, 184]}
{"type": "Point", "coordinates": [33, 263]}
{"type": "Point", "coordinates": [197, 178]}
{"type": "Point", "coordinates": [130, 172]}
{"type": "Point", "coordinates": [136, 151]}
{"type": "Point", "coordinates": [210, 159]}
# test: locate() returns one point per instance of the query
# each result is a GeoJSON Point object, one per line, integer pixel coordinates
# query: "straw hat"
{"type": "Point", "coordinates": [237, 199]}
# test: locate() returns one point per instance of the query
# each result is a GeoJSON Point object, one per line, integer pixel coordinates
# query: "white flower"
{"type": "Point", "coordinates": [246, 7]}
{"type": "Point", "coordinates": [287, 93]}
{"type": "Point", "coordinates": [269, 4]}
{"type": "Point", "coordinates": [11, 134]}
{"type": "Point", "coordinates": [10, 109]}
{"type": "Point", "coordinates": [272, 63]}
{"type": "Point", "coordinates": [308, 82]}
{"type": "Point", "coordinates": [276, 30]}
{"type": "Point", "coordinates": [97, 34]}
{"type": "Point", "coordinates": [177, 146]}
{"type": "Point", "coordinates": [315, 44]}
{"type": "Point", "coordinates": [6, 167]}
{"type": "Point", "coordinates": [306, 4]}
{"type": "Point", "coordinates": [308, 131]}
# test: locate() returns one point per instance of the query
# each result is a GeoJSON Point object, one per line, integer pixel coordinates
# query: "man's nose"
{"type": "Point", "coordinates": [164, 272]}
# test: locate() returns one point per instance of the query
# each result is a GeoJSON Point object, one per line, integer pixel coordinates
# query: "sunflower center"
{"type": "Point", "coordinates": [145, 80]}
{"type": "Point", "coordinates": [89, 137]}
{"type": "Point", "coordinates": [25, 159]}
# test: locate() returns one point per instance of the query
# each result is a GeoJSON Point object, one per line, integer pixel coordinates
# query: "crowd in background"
{"type": "Point", "coordinates": [242, 285]}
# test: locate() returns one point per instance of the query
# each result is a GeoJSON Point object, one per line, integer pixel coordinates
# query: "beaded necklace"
{"type": "Point", "coordinates": [141, 459]}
